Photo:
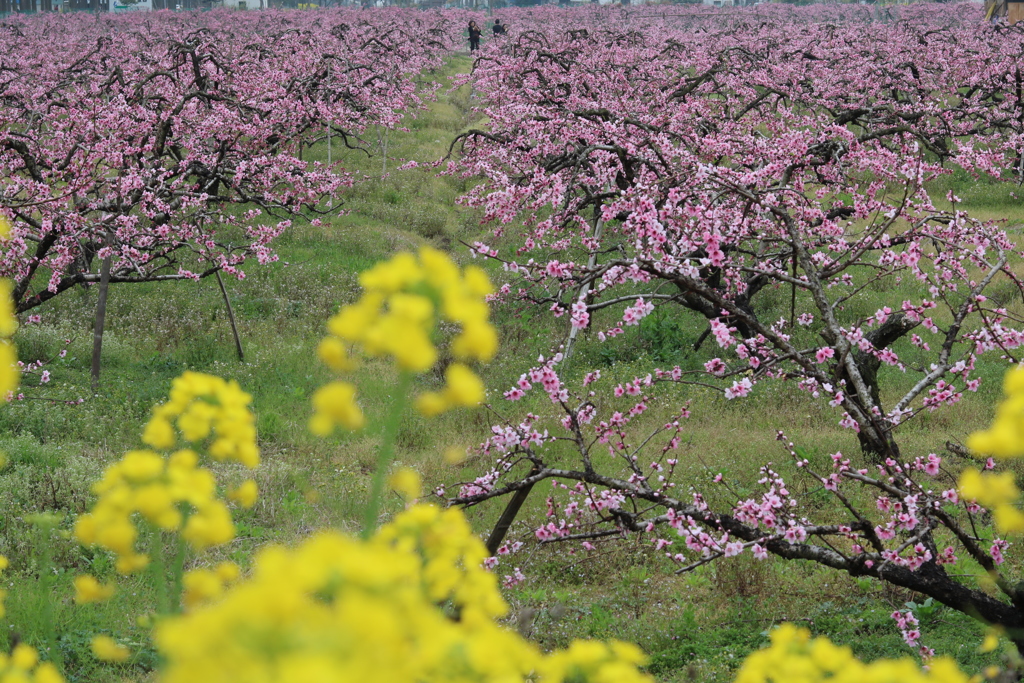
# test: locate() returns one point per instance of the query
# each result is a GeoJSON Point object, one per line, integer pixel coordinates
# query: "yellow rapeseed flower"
{"type": "Point", "coordinates": [431, 404]}
{"type": "Point", "coordinates": [9, 372]}
{"type": "Point", "coordinates": [1005, 438]}
{"type": "Point", "coordinates": [793, 657]}
{"type": "Point", "coordinates": [8, 320]}
{"type": "Point", "coordinates": [454, 456]}
{"type": "Point", "coordinates": [406, 481]}
{"type": "Point", "coordinates": [335, 404]}
{"type": "Point", "coordinates": [462, 389]}
{"type": "Point", "coordinates": [204, 407]}
{"type": "Point", "coordinates": [201, 585]}
{"type": "Point", "coordinates": [334, 354]}
{"type": "Point", "coordinates": [88, 589]}
{"type": "Point", "coordinates": [131, 563]}
{"type": "Point", "coordinates": [997, 491]}
{"type": "Point", "coordinates": [1008, 519]}
{"type": "Point", "coordinates": [478, 341]}
{"type": "Point", "coordinates": [140, 466]}
{"type": "Point", "coordinates": [159, 433]}
{"type": "Point", "coordinates": [396, 317]}
{"type": "Point", "coordinates": [3, 593]}
{"type": "Point", "coordinates": [246, 493]}
{"type": "Point", "coordinates": [210, 525]}
{"type": "Point", "coordinates": [337, 608]}
{"type": "Point", "coordinates": [991, 641]}
{"type": "Point", "coordinates": [164, 489]}
{"type": "Point", "coordinates": [353, 322]}
{"type": "Point", "coordinates": [228, 571]}
{"type": "Point", "coordinates": [989, 489]}
{"type": "Point", "coordinates": [107, 649]}
{"type": "Point", "coordinates": [24, 657]}
{"type": "Point", "coordinates": [46, 672]}
{"type": "Point", "coordinates": [391, 276]}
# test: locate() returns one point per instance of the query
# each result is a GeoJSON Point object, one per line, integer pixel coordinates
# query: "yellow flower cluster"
{"type": "Point", "coordinates": [335, 404]}
{"type": "Point", "coordinates": [9, 373]}
{"type": "Point", "coordinates": [88, 589]}
{"type": "Point", "coordinates": [106, 649]}
{"type": "Point", "coordinates": [337, 608]}
{"type": "Point", "coordinates": [407, 483]}
{"type": "Point", "coordinates": [462, 388]}
{"type": "Point", "coordinates": [175, 493]}
{"type": "Point", "coordinates": [402, 302]}
{"type": "Point", "coordinates": [1004, 439]}
{"type": "Point", "coordinates": [997, 492]}
{"type": "Point", "coordinates": [793, 657]}
{"type": "Point", "coordinates": [158, 489]}
{"type": "Point", "coordinates": [206, 408]}
{"type": "Point", "coordinates": [206, 585]}
{"type": "Point", "coordinates": [23, 666]}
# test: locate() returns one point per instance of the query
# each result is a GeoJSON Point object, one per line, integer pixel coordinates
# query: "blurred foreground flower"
{"type": "Point", "coordinates": [88, 589]}
{"type": "Point", "coordinates": [403, 301]}
{"type": "Point", "coordinates": [411, 604]}
{"type": "Point", "coordinates": [106, 649]}
{"type": "Point", "coordinates": [174, 492]}
{"type": "Point", "coordinates": [23, 666]}
{"type": "Point", "coordinates": [794, 657]}
{"type": "Point", "coordinates": [1004, 439]}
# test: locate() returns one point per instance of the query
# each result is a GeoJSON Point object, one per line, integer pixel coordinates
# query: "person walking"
{"type": "Point", "coordinates": [474, 36]}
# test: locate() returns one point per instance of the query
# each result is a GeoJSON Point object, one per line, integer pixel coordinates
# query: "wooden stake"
{"type": "Point", "coordinates": [507, 517]}
{"type": "Point", "coordinates": [231, 317]}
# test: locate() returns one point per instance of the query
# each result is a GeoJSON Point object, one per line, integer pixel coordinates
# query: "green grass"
{"type": "Point", "coordinates": [697, 626]}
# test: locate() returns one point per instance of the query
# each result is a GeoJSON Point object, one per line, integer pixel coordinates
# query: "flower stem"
{"type": "Point", "coordinates": [386, 453]}
{"type": "Point", "coordinates": [44, 527]}
{"type": "Point", "coordinates": [178, 572]}
{"type": "Point", "coordinates": [158, 571]}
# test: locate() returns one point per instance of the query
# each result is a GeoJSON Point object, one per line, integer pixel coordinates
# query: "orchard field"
{"type": "Point", "coordinates": [755, 284]}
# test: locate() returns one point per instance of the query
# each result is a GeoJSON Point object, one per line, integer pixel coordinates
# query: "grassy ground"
{"type": "Point", "coordinates": [696, 627]}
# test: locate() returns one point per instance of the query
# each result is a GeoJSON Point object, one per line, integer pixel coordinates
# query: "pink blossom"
{"type": "Point", "coordinates": [513, 579]}
{"type": "Point", "coordinates": [739, 389]}
{"type": "Point", "coordinates": [716, 366]}
{"type": "Point", "coordinates": [733, 549]}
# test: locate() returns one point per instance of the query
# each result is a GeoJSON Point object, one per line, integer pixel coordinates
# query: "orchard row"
{"type": "Point", "coordinates": [173, 143]}
{"type": "Point", "coordinates": [695, 161]}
